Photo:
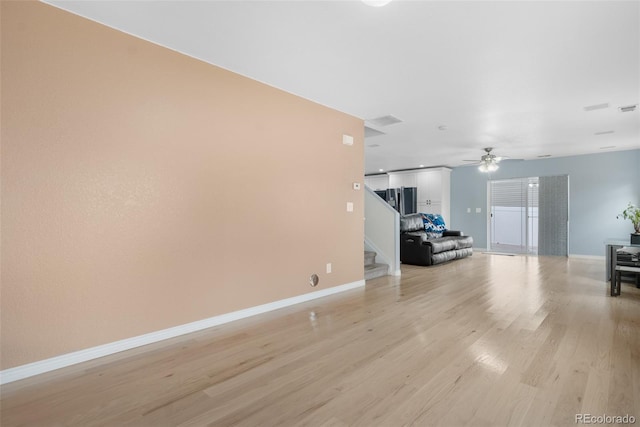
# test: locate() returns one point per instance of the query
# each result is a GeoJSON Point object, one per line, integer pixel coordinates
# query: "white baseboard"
{"type": "Point", "coordinates": [42, 366]}
{"type": "Point", "coordinates": [396, 273]}
{"type": "Point", "coordinates": [594, 257]}
{"type": "Point", "coordinates": [575, 256]}
{"type": "Point", "coordinates": [480, 249]}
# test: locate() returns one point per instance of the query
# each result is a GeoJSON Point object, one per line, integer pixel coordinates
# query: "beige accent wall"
{"type": "Point", "coordinates": [143, 189]}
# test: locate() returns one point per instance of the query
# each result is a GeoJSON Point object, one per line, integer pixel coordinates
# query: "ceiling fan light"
{"type": "Point", "coordinates": [489, 162]}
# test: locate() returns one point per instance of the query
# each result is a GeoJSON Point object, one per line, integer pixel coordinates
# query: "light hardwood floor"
{"type": "Point", "coordinates": [487, 340]}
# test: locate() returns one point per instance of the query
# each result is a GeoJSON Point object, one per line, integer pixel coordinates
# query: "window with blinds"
{"type": "Point", "coordinates": [530, 215]}
{"type": "Point", "coordinates": [514, 215]}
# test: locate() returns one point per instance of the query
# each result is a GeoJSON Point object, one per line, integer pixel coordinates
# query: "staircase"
{"type": "Point", "coordinates": [371, 268]}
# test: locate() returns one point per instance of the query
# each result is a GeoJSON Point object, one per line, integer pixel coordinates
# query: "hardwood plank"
{"type": "Point", "coordinates": [488, 340]}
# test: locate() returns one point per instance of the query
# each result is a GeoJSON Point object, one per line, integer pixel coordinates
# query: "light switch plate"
{"type": "Point", "coordinates": [478, 210]}
{"type": "Point", "coordinates": [347, 139]}
{"type": "Point", "coordinates": [349, 206]}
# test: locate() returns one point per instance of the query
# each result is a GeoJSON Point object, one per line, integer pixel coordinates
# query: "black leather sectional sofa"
{"type": "Point", "coordinates": [418, 247]}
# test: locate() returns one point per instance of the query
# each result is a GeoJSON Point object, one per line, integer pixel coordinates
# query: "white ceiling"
{"type": "Point", "coordinates": [514, 75]}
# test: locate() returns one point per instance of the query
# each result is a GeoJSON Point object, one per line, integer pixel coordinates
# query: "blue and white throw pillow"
{"type": "Point", "coordinates": [433, 223]}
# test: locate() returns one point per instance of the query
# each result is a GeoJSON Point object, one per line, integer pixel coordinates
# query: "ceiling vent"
{"type": "Point", "coordinates": [596, 107]}
{"type": "Point", "coordinates": [384, 120]}
{"type": "Point", "coordinates": [628, 108]}
{"type": "Point", "coordinates": [371, 132]}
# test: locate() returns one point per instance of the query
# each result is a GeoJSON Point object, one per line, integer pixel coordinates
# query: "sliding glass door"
{"type": "Point", "coordinates": [554, 215]}
{"type": "Point", "coordinates": [529, 215]}
{"type": "Point", "coordinates": [513, 207]}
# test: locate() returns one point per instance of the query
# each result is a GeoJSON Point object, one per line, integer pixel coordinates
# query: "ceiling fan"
{"type": "Point", "coordinates": [489, 161]}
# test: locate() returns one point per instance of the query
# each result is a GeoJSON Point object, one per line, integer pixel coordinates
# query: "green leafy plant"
{"type": "Point", "coordinates": [632, 213]}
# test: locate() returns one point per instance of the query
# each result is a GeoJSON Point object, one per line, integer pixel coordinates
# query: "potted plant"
{"type": "Point", "coordinates": [632, 213]}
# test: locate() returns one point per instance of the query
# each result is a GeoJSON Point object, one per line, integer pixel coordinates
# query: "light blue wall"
{"type": "Point", "coordinates": [600, 186]}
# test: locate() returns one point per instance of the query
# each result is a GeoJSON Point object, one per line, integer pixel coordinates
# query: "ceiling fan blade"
{"type": "Point", "coordinates": [489, 158]}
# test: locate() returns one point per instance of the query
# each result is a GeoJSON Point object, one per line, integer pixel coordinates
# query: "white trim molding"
{"type": "Point", "coordinates": [482, 250]}
{"type": "Point", "coordinates": [594, 257]}
{"type": "Point", "coordinates": [62, 361]}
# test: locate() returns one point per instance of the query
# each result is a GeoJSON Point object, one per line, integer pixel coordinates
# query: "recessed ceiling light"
{"type": "Point", "coordinates": [545, 155]}
{"type": "Point", "coordinates": [604, 132]}
{"type": "Point", "coordinates": [421, 166]}
{"type": "Point", "coordinates": [380, 170]}
{"type": "Point", "coordinates": [608, 147]}
{"type": "Point", "coordinates": [596, 107]}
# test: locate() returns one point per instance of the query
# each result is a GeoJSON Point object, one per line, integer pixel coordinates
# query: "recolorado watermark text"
{"type": "Point", "coordinates": [605, 419]}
